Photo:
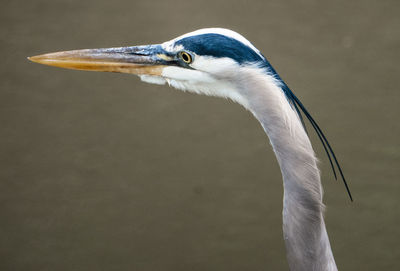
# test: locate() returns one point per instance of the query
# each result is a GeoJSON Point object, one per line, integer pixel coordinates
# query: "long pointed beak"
{"type": "Point", "coordinates": [146, 59]}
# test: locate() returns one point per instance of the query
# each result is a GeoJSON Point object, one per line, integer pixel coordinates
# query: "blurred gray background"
{"type": "Point", "coordinates": [100, 171]}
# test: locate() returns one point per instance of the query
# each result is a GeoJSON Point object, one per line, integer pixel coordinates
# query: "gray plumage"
{"type": "Point", "coordinates": [222, 63]}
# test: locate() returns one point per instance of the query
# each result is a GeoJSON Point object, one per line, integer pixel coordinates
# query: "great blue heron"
{"type": "Point", "coordinates": [221, 62]}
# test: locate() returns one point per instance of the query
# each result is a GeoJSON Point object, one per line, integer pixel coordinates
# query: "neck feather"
{"type": "Point", "coordinates": [305, 235]}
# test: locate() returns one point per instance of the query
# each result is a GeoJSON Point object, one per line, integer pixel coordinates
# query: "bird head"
{"type": "Point", "coordinates": [206, 61]}
{"type": "Point", "coordinates": [211, 61]}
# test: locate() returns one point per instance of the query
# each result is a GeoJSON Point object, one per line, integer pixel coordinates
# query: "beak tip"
{"type": "Point", "coordinates": [33, 58]}
{"type": "Point", "coordinates": [41, 59]}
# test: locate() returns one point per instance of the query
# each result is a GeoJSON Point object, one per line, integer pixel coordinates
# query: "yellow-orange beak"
{"type": "Point", "coordinates": [140, 60]}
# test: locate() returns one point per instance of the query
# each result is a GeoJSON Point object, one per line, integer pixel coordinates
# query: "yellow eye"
{"type": "Point", "coordinates": [186, 57]}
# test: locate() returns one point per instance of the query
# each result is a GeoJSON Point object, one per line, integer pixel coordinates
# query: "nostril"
{"type": "Point", "coordinates": [138, 53]}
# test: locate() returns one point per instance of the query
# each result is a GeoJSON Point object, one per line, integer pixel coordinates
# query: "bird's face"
{"type": "Point", "coordinates": [205, 61]}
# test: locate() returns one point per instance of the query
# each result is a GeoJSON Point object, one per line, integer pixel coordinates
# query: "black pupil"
{"type": "Point", "coordinates": [185, 57]}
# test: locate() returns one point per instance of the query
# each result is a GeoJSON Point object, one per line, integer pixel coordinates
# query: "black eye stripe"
{"type": "Point", "coordinates": [217, 45]}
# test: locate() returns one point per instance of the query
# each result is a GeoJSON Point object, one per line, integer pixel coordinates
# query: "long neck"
{"type": "Point", "coordinates": [304, 231]}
